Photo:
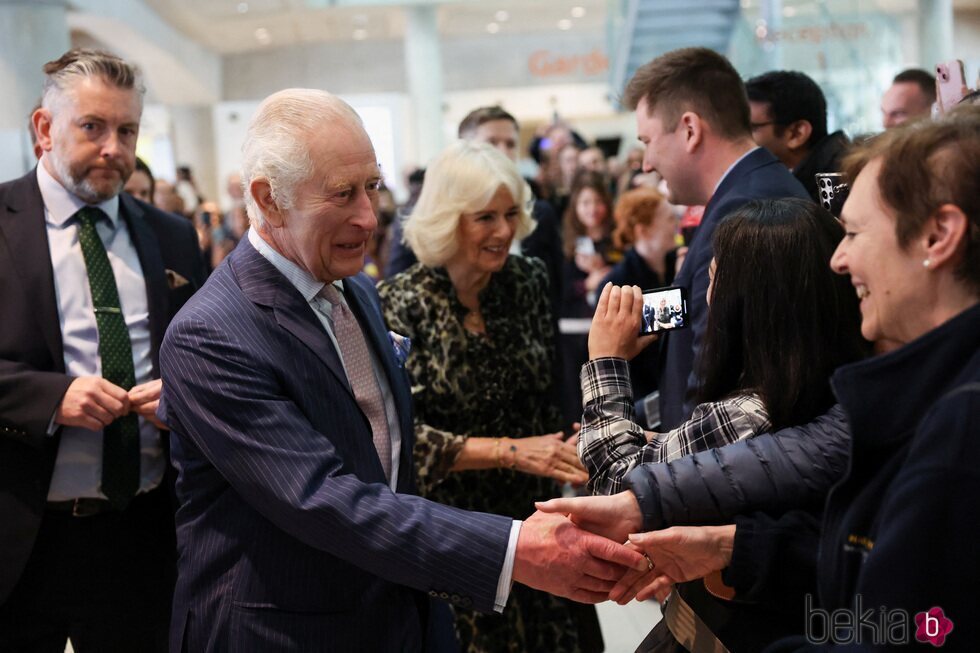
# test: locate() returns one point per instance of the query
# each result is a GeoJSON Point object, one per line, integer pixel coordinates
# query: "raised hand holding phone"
{"type": "Point", "coordinates": [616, 324]}
{"type": "Point", "coordinates": [950, 84]}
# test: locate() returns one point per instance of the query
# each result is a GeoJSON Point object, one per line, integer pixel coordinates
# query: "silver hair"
{"type": "Point", "coordinates": [277, 148]}
{"type": "Point", "coordinates": [77, 64]}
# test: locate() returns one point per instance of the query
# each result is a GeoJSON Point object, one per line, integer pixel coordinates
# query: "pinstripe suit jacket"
{"type": "Point", "coordinates": [289, 538]}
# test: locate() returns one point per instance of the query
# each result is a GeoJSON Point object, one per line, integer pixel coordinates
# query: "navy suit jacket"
{"type": "Point", "coordinates": [289, 538]}
{"type": "Point", "coordinates": [759, 175]}
{"type": "Point", "coordinates": [32, 365]}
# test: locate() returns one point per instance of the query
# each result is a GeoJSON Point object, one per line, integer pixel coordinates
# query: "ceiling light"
{"type": "Point", "coordinates": [789, 12]}
{"type": "Point", "coordinates": [564, 24]}
{"type": "Point", "coordinates": [578, 12]}
{"type": "Point", "coordinates": [493, 28]}
{"type": "Point", "coordinates": [360, 34]}
{"type": "Point", "coordinates": [263, 36]}
{"type": "Point", "coordinates": [501, 16]}
{"type": "Point", "coordinates": [359, 19]}
{"type": "Point", "coordinates": [242, 7]}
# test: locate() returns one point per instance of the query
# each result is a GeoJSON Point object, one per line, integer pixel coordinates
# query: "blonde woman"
{"type": "Point", "coordinates": [488, 433]}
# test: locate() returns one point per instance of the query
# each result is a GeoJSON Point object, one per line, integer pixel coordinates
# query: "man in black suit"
{"type": "Point", "coordinates": [89, 280]}
{"type": "Point", "coordinates": [692, 117]}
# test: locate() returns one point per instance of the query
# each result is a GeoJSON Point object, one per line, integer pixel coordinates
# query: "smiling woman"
{"type": "Point", "coordinates": [480, 324]}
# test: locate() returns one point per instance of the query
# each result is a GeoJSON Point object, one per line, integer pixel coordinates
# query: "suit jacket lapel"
{"type": "Point", "coordinates": [23, 228]}
{"type": "Point", "coordinates": [265, 285]}
{"type": "Point", "coordinates": [151, 262]}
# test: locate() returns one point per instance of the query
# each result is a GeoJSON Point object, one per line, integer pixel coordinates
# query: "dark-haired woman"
{"type": "Point", "coordinates": [587, 243]}
{"type": "Point", "coordinates": [779, 323]}
{"type": "Point", "coordinates": [589, 254]}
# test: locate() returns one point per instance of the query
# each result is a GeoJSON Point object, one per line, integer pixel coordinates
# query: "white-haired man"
{"type": "Point", "coordinates": [298, 528]}
{"type": "Point", "coordinates": [89, 279]}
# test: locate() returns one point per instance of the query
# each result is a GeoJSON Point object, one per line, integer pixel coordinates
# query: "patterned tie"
{"type": "Point", "coordinates": [120, 440]}
{"type": "Point", "coordinates": [360, 373]}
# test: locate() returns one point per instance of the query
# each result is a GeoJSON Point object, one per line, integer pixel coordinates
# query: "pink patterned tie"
{"type": "Point", "coordinates": [360, 373]}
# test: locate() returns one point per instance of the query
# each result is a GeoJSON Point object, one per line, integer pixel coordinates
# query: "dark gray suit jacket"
{"type": "Point", "coordinates": [32, 367]}
{"type": "Point", "coordinates": [289, 537]}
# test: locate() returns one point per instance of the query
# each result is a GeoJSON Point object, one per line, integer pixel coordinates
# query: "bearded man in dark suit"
{"type": "Point", "coordinates": [89, 279]}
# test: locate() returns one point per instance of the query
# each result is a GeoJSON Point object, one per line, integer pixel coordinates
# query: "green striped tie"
{"type": "Point", "coordinates": [120, 440]}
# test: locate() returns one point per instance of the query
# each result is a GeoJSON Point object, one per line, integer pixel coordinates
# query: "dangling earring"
{"type": "Point", "coordinates": [926, 263]}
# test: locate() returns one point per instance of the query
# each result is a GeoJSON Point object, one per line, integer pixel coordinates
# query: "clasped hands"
{"type": "Point", "coordinates": [589, 531]}
{"type": "Point", "coordinates": [92, 402]}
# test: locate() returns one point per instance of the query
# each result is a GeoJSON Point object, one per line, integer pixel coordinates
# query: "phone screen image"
{"type": "Point", "coordinates": [663, 309]}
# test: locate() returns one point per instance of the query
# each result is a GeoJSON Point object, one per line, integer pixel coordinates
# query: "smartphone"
{"type": "Point", "coordinates": [833, 189]}
{"type": "Point", "coordinates": [206, 218]}
{"type": "Point", "coordinates": [951, 83]}
{"type": "Point", "coordinates": [584, 245]}
{"type": "Point", "coordinates": [664, 309]}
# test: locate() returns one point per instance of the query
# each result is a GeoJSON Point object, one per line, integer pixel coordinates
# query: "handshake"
{"type": "Point", "coordinates": [589, 549]}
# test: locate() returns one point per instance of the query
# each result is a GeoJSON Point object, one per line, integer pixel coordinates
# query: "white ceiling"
{"type": "Point", "coordinates": [229, 26]}
{"type": "Point", "coordinates": [223, 26]}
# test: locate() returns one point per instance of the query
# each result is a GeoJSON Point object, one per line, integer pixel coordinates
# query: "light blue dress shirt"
{"type": "Point", "coordinates": [78, 466]}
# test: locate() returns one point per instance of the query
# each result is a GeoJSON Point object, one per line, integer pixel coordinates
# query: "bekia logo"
{"type": "Point", "coordinates": [932, 627]}
{"type": "Point", "coordinates": [880, 626]}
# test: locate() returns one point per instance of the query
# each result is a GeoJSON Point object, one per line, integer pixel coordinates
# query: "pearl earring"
{"type": "Point", "coordinates": [926, 263]}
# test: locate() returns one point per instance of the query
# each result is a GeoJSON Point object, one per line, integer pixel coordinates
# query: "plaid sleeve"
{"type": "Point", "coordinates": [611, 443]}
{"type": "Point", "coordinates": [610, 440]}
{"type": "Point", "coordinates": [713, 424]}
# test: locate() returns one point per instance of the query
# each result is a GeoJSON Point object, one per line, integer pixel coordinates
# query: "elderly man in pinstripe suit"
{"type": "Point", "coordinates": [298, 528]}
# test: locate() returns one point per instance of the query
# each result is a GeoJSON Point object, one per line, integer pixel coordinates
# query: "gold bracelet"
{"type": "Point", "coordinates": [496, 448]}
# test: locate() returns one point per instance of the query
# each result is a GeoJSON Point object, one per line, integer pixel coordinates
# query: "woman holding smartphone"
{"type": "Point", "coordinates": [776, 331]}
{"type": "Point", "coordinates": [588, 245]}
{"type": "Point", "coordinates": [779, 323]}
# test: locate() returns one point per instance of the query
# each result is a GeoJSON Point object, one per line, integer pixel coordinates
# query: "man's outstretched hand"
{"type": "Point", "coordinates": [556, 556]}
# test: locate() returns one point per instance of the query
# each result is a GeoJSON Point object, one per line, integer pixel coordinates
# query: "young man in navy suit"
{"type": "Point", "coordinates": [298, 526]}
{"type": "Point", "coordinates": [692, 116]}
{"type": "Point", "coordinates": [89, 279]}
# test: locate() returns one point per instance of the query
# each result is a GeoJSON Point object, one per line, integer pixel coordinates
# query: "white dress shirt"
{"type": "Point", "coordinates": [78, 466]}
{"type": "Point", "coordinates": [309, 288]}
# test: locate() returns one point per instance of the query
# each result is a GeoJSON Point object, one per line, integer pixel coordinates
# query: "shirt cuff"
{"type": "Point", "coordinates": [605, 377]}
{"type": "Point", "coordinates": [507, 571]}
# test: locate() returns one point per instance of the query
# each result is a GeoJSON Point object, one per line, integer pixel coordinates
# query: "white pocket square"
{"type": "Point", "coordinates": [401, 345]}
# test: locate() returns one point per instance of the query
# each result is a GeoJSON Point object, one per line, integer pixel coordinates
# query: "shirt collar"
{"type": "Point", "coordinates": [303, 281]}
{"type": "Point", "coordinates": [62, 204]}
{"type": "Point", "coordinates": [732, 167]}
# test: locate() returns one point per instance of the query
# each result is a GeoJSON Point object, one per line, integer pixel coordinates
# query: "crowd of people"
{"type": "Point", "coordinates": [323, 421]}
